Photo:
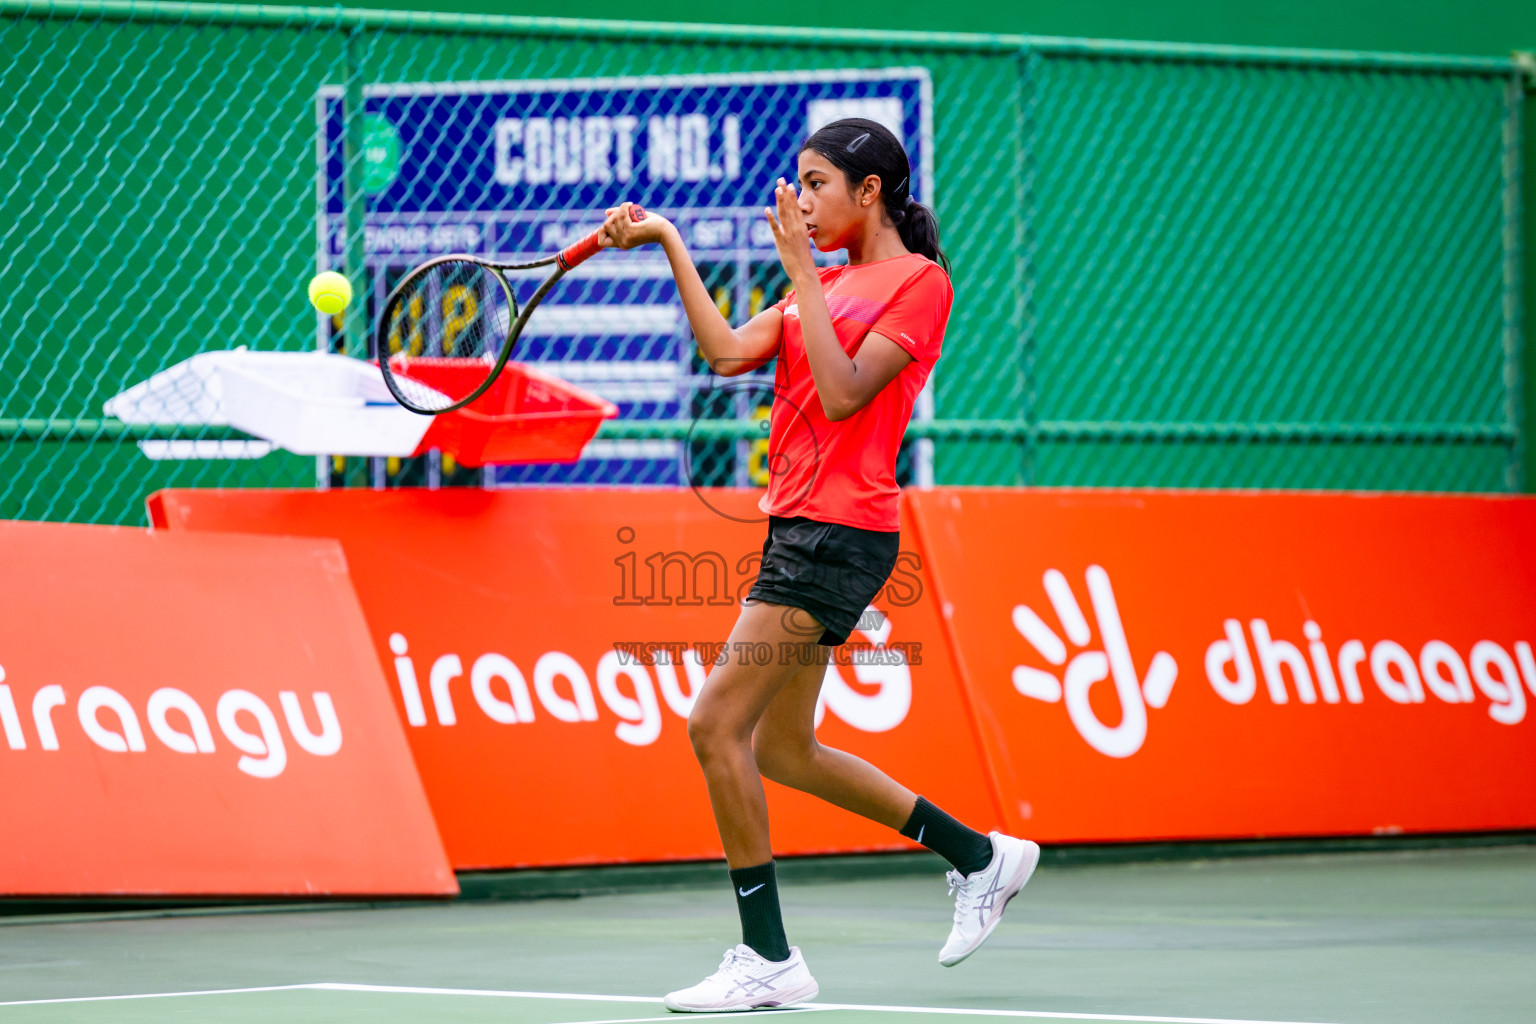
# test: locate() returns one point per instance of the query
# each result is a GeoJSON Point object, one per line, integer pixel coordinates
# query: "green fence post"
{"type": "Point", "coordinates": [1523, 266]}
{"type": "Point", "coordinates": [1025, 271]}
{"type": "Point", "coordinates": [355, 326]}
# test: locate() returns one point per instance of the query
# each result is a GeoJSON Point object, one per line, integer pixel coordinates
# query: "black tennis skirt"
{"type": "Point", "coordinates": [830, 570]}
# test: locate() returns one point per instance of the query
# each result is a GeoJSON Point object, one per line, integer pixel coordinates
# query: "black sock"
{"type": "Point", "coordinates": [965, 848]}
{"type": "Point", "coordinates": [757, 901]}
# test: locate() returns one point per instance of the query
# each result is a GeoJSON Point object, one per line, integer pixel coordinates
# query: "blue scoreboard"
{"type": "Point", "coordinates": [514, 170]}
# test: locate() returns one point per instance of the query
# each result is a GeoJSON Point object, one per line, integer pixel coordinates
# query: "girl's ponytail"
{"type": "Point", "coordinates": [919, 230]}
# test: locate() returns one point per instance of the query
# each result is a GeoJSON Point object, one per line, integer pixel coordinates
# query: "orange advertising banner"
{"type": "Point", "coordinates": [198, 715]}
{"type": "Point", "coordinates": [544, 648]}
{"type": "Point", "coordinates": [1155, 664]}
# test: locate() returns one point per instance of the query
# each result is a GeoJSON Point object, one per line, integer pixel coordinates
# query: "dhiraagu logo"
{"type": "Point", "coordinates": [381, 153]}
{"type": "Point", "coordinates": [1088, 667]}
{"type": "Point", "coordinates": [1246, 660]}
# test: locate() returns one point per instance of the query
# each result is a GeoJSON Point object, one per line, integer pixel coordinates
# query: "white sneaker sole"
{"type": "Point", "coordinates": [776, 1001]}
{"type": "Point", "coordinates": [1021, 877]}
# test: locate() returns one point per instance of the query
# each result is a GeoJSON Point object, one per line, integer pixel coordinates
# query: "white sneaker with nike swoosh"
{"type": "Point", "coordinates": [745, 981]}
{"type": "Point", "coordinates": [980, 898]}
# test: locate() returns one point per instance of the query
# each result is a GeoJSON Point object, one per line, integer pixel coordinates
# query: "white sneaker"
{"type": "Point", "coordinates": [745, 981]}
{"type": "Point", "coordinates": [981, 898]}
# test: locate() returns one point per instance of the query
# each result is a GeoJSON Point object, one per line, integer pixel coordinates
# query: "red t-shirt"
{"type": "Point", "coordinates": [845, 471]}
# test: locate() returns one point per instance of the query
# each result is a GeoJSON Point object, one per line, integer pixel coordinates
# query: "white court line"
{"type": "Point", "coordinates": [1033, 1014]}
{"type": "Point", "coordinates": [156, 995]}
{"type": "Point", "coordinates": [1047, 1014]}
{"type": "Point", "coordinates": [789, 1012]}
{"type": "Point", "coordinates": [341, 986]}
{"type": "Point", "coordinates": [336, 986]}
{"type": "Point", "coordinates": [333, 986]}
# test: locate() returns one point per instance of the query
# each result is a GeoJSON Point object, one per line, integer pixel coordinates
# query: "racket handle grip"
{"type": "Point", "coordinates": [579, 252]}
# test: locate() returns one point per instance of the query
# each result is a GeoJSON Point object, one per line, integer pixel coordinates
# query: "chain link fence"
{"type": "Point", "coordinates": [1173, 266]}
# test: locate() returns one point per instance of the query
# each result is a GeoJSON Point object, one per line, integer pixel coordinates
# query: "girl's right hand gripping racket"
{"type": "Point", "coordinates": [461, 308]}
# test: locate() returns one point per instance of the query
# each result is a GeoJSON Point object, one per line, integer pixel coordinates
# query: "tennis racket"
{"type": "Point", "coordinates": [461, 308]}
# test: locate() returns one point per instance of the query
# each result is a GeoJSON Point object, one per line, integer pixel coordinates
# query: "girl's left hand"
{"type": "Point", "coordinates": [790, 236]}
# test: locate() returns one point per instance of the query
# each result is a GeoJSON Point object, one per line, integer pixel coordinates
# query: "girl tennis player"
{"type": "Point", "coordinates": [854, 344]}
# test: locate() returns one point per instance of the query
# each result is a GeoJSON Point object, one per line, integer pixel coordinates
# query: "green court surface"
{"type": "Point", "coordinates": [1336, 939]}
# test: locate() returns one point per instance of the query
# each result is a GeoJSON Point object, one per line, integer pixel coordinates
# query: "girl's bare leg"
{"type": "Point", "coordinates": [788, 752]}
{"type": "Point", "coordinates": [720, 728]}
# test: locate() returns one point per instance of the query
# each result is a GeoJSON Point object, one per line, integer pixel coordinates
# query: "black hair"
{"type": "Point", "coordinates": [860, 147]}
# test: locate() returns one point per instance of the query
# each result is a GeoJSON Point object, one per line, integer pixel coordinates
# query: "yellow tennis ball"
{"type": "Point", "coordinates": [330, 292]}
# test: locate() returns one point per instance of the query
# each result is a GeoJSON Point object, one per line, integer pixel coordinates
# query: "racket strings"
{"type": "Point", "coordinates": [443, 330]}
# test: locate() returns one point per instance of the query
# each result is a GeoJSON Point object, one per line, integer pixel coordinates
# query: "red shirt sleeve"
{"type": "Point", "coordinates": [789, 297]}
{"type": "Point", "coordinates": [918, 313]}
